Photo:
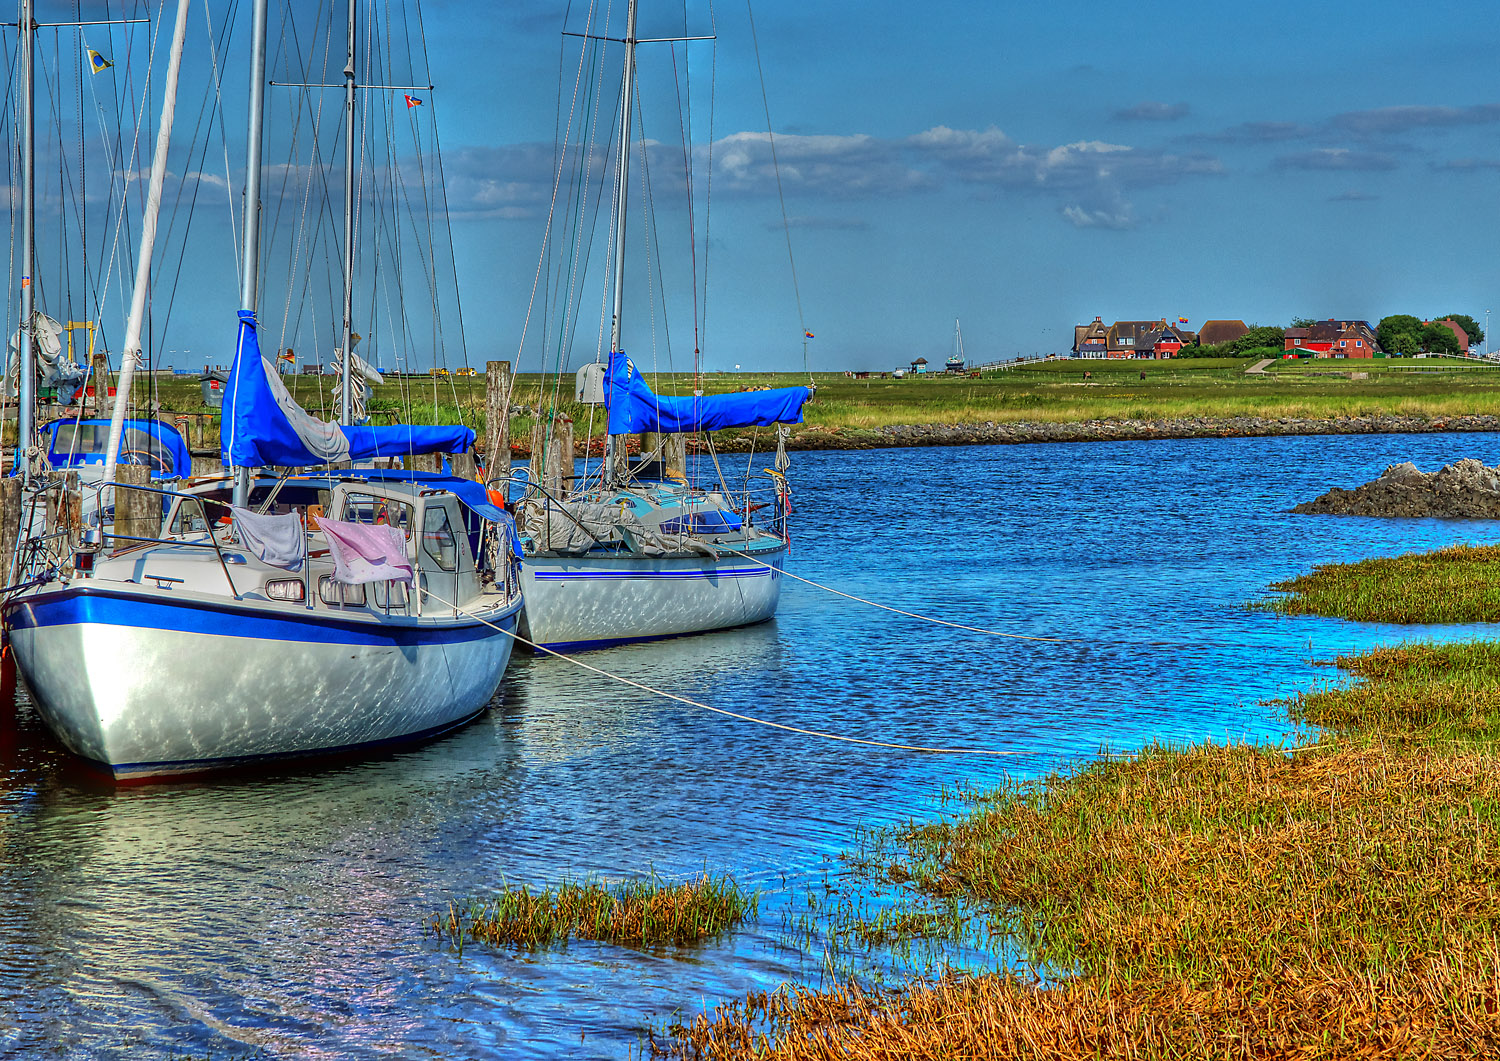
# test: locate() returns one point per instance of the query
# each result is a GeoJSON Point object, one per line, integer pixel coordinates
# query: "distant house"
{"type": "Point", "coordinates": [919, 366]}
{"type": "Point", "coordinates": [1091, 340]}
{"type": "Point", "coordinates": [1144, 339]}
{"type": "Point", "coordinates": [1214, 333]}
{"type": "Point", "coordinates": [1458, 333]}
{"type": "Point", "coordinates": [1333, 338]}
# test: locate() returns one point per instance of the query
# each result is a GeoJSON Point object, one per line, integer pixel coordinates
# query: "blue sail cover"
{"type": "Point", "coordinates": [634, 408]}
{"type": "Point", "coordinates": [263, 426]}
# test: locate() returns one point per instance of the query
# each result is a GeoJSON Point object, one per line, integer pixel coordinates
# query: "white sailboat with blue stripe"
{"type": "Point", "coordinates": [267, 616]}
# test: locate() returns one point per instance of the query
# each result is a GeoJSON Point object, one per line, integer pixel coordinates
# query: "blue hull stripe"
{"type": "Point", "coordinates": [654, 576]}
{"type": "Point", "coordinates": [611, 642]}
{"type": "Point", "coordinates": [83, 605]}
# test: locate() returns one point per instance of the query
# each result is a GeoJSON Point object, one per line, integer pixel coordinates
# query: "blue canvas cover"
{"type": "Point", "coordinates": [76, 442]}
{"type": "Point", "coordinates": [634, 408]}
{"type": "Point", "coordinates": [263, 426]}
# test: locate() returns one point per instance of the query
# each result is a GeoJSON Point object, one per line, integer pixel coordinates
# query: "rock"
{"type": "Point", "coordinates": [1465, 489]}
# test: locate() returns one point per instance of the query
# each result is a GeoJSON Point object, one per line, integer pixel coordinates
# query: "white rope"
{"type": "Point", "coordinates": [719, 710]}
{"type": "Point", "coordinates": [911, 615]}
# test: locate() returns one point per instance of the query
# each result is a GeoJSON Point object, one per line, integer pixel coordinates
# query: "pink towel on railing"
{"type": "Point", "coordinates": [365, 553]}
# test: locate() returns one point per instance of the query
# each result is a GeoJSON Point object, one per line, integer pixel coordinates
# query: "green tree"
{"type": "Point", "coordinates": [1468, 324]}
{"type": "Point", "coordinates": [1439, 339]}
{"type": "Point", "coordinates": [1400, 333]}
{"type": "Point", "coordinates": [1302, 322]}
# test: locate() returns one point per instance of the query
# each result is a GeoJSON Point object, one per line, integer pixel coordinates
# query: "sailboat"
{"type": "Point", "coordinates": [283, 615]}
{"type": "Point", "coordinates": [955, 362]}
{"type": "Point", "coordinates": [641, 553]}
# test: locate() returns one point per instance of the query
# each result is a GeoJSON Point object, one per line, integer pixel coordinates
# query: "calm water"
{"type": "Point", "coordinates": [283, 917]}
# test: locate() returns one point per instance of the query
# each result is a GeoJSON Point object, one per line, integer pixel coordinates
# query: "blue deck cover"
{"type": "Point", "coordinates": [634, 408]}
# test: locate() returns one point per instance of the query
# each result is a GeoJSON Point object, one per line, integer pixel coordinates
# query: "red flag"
{"type": "Point", "coordinates": [412, 101]}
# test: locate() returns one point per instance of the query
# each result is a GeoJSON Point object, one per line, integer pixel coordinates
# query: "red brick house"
{"type": "Point", "coordinates": [1333, 338]}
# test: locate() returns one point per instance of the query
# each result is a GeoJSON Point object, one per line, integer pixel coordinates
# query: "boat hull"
{"type": "Point", "coordinates": [148, 686]}
{"type": "Point", "coordinates": [594, 601]}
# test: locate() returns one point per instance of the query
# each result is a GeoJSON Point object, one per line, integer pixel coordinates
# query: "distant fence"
{"type": "Point", "coordinates": [995, 366]}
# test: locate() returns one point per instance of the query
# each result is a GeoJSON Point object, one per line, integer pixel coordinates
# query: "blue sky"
{"type": "Point", "coordinates": [1021, 167]}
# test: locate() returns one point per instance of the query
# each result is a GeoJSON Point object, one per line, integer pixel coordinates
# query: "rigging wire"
{"type": "Point", "coordinates": [786, 223]}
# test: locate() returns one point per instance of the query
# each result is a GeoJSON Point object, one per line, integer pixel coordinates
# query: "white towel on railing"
{"type": "Point", "coordinates": [276, 540]}
{"type": "Point", "coordinates": [365, 553]}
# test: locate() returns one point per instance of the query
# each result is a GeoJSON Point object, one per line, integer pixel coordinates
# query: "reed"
{"type": "Point", "coordinates": [1333, 900]}
{"type": "Point", "coordinates": [642, 912]}
{"type": "Point", "coordinates": [1458, 584]}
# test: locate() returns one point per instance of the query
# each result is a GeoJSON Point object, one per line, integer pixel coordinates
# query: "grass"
{"type": "Point", "coordinates": [644, 912]}
{"type": "Point", "coordinates": [1459, 584]}
{"type": "Point", "coordinates": [1045, 391]}
{"type": "Point", "coordinates": [1336, 899]}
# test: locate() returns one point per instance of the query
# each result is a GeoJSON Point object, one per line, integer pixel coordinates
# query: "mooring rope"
{"type": "Point", "coordinates": [912, 615]}
{"type": "Point", "coordinates": [824, 734]}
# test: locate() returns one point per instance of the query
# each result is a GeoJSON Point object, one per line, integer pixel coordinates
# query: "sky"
{"type": "Point", "coordinates": [1018, 167]}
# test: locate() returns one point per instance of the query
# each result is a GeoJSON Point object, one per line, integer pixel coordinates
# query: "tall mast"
{"type": "Point", "coordinates": [148, 242]}
{"type": "Point", "coordinates": [350, 95]}
{"type": "Point", "coordinates": [254, 137]}
{"type": "Point", "coordinates": [250, 262]}
{"type": "Point", "coordinates": [26, 392]}
{"type": "Point", "coordinates": [622, 181]}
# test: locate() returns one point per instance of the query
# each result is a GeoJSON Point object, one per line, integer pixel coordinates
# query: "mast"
{"type": "Point", "coordinates": [350, 95]}
{"type": "Point", "coordinates": [148, 243]}
{"type": "Point", "coordinates": [622, 174]}
{"type": "Point", "coordinates": [254, 136]}
{"type": "Point", "coordinates": [26, 391]}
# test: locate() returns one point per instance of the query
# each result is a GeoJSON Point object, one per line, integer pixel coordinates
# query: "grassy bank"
{"type": "Point", "coordinates": [1337, 899]}
{"type": "Point", "coordinates": [1459, 584]}
{"type": "Point", "coordinates": [1048, 391]}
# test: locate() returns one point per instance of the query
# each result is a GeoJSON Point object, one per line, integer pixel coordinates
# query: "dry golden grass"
{"type": "Point", "coordinates": [1339, 900]}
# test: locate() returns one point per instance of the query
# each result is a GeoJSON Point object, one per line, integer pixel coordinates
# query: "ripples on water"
{"type": "Point", "coordinates": [282, 917]}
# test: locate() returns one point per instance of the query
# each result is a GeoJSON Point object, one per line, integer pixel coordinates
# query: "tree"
{"type": "Point", "coordinates": [1303, 322]}
{"type": "Point", "coordinates": [1439, 339]}
{"type": "Point", "coordinates": [1468, 324]}
{"type": "Point", "coordinates": [1400, 333]}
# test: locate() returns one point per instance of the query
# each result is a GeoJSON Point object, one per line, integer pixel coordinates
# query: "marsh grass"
{"type": "Point", "coordinates": [1458, 584]}
{"type": "Point", "coordinates": [1044, 392]}
{"type": "Point", "coordinates": [645, 912]}
{"type": "Point", "coordinates": [1338, 899]}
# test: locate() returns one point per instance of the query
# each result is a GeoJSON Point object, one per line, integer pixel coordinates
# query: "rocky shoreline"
{"type": "Point", "coordinates": [820, 438]}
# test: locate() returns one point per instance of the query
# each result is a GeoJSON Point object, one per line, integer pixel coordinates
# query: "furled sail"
{"type": "Point", "coordinates": [263, 426]}
{"type": "Point", "coordinates": [634, 408]}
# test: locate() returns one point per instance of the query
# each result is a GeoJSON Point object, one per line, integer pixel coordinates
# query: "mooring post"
{"type": "Point", "coordinates": [674, 454]}
{"type": "Point", "coordinates": [137, 512]}
{"type": "Point", "coordinates": [559, 470]}
{"type": "Point", "coordinates": [497, 394]}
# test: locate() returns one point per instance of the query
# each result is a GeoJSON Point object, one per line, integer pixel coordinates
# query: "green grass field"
{"type": "Point", "coordinates": [1052, 391]}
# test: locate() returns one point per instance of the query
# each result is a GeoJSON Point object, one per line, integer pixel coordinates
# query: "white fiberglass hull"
{"type": "Point", "coordinates": [146, 685]}
{"type": "Point", "coordinates": [596, 600]}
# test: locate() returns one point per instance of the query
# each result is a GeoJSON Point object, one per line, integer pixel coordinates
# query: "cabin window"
{"type": "Point", "coordinates": [438, 540]}
{"type": "Point", "coordinates": [377, 511]}
{"type": "Point", "coordinates": [390, 595]}
{"type": "Point", "coordinates": [331, 592]}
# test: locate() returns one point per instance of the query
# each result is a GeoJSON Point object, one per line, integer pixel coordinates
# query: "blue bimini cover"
{"type": "Point", "coordinates": [634, 408]}
{"type": "Point", "coordinates": [263, 426]}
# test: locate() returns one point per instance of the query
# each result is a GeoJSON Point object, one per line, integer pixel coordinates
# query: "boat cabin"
{"type": "Point", "coordinates": [79, 445]}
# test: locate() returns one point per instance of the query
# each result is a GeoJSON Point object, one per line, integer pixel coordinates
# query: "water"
{"type": "Point", "coordinates": [282, 917]}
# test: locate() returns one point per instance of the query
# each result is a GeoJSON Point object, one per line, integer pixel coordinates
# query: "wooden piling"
{"type": "Point", "coordinates": [137, 512]}
{"type": "Point", "coordinates": [674, 455]}
{"type": "Point", "coordinates": [537, 447]}
{"type": "Point", "coordinates": [10, 525]}
{"type": "Point", "coordinates": [559, 463]}
{"type": "Point", "coordinates": [498, 386]}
